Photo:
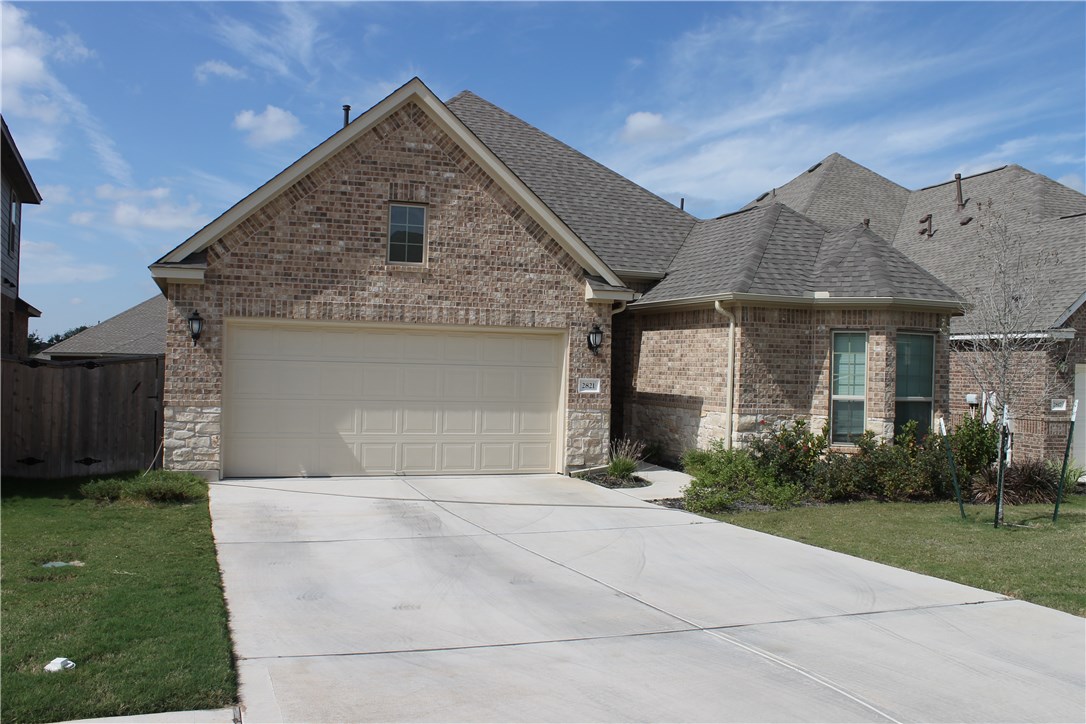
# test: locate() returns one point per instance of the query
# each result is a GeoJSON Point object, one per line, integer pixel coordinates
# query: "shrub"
{"type": "Point", "coordinates": [723, 478]}
{"type": "Point", "coordinates": [1033, 481]}
{"type": "Point", "coordinates": [158, 486]}
{"type": "Point", "coordinates": [791, 453]}
{"type": "Point", "coordinates": [625, 455]}
{"type": "Point", "coordinates": [975, 445]}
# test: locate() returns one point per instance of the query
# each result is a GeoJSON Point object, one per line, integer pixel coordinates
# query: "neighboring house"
{"type": "Point", "coordinates": [136, 332]}
{"type": "Point", "coordinates": [955, 231]}
{"type": "Point", "coordinates": [421, 294]}
{"type": "Point", "coordinates": [17, 189]}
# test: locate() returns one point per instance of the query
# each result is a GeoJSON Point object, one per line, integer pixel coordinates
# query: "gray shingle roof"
{"type": "Point", "coordinates": [629, 228]}
{"type": "Point", "coordinates": [1031, 205]}
{"type": "Point", "coordinates": [140, 330]}
{"type": "Point", "coordinates": [838, 192]}
{"type": "Point", "coordinates": [774, 250]}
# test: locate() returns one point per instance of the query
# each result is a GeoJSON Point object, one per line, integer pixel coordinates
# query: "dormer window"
{"type": "Point", "coordinates": [406, 234]}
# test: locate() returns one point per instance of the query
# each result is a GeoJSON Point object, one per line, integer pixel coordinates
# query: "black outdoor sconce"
{"type": "Point", "coordinates": [595, 339]}
{"type": "Point", "coordinates": [196, 326]}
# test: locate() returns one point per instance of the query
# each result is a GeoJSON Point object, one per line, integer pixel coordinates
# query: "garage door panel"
{"type": "Point", "coordinates": [458, 457]}
{"type": "Point", "coordinates": [419, 457]}
{"type": "Point", "coordinates": [380, 419]}
{"type": "Point", "coordinates": [419, 420]}
{"type": "Point", "coordinates": [496, 456]}
{"type": "Point", "coordinates": [348, 401]}
{"type": "Point", "coordinates": [382, 382]}
{"type": "Point", "coordinates": [535, 456]}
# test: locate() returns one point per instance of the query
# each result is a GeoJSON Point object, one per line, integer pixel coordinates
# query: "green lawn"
{"type": "Point", "coordinates": [1030, 558]}
{"type": "Point", "coordinates": [143, 619]}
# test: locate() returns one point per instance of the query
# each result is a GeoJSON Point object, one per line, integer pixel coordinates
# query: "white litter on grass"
{"type": "Point", "coordinates": [59, 664]}
{"type": "Point", "coordinates": [61, 564]}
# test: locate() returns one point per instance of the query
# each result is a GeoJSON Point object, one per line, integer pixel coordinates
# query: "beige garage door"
{"type": "Point", "coordinates": [328, 400]}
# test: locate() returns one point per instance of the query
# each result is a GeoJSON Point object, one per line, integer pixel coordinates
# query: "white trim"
{"type": "Point", "coordinates": [425, 236]}
{"type": "Point", "coordinates": [609, 295]}
{"type": "Point", "coordinates": [178, 274]}
{"type": "Point", "coordinates": [1075, 305]}
{"type": "Point", "coordinates": [849, 398]}
{"type": "Point", "coordinates": [807, 300]}
{"type": "Point", "coordinates": [1047, 334]}
{"type": "Point", "coordinates": [414, 90]}
{"type": "Point", "coordinates": [930, 400]}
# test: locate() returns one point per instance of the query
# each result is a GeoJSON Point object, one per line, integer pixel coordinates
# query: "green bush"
{"type": "Point", "coordinates": [975, 445]}
{"type": "Point", "coordinates": [157, 486]}
{"type": "Point", "coordinates": [723, 478]}
{"type": "Point", "coordinates": [791, 453]}
{"type": "Point", "coordinates": [621, 468]}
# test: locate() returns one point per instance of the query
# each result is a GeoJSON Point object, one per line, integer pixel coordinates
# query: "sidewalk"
{"type": "Point", "coordinates": [665, 483]}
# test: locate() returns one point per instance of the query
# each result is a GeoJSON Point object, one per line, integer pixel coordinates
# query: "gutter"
{"type": "Point", "coordinates": [729, 393]}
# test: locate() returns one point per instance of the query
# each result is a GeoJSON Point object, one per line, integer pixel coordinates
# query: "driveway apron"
{"type": "Point", "coordinates": [544, 598]}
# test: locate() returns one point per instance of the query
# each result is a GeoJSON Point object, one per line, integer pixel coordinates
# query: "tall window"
{"type": "Point", "coordinates": [13, 227]}
{"type": "Point", "coordinates": [848, 386]}
{"type": "Point", "coordinates": [407, 234]}
{"type": "Point", "coordinates": [915, 381]}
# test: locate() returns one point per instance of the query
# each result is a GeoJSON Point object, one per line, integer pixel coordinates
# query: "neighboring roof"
{"type": "Point", "coordinates": [774, 252]}
{"type": "Point", "coordinates": [138, 331]}
{"type": "Point", "coordinates": [15, 168]}
{"type": "Point", "coordinates": [632, 229]}
{"type": "Point", "coordinates": [414, 91]}
{"type": "Point", "coordinates": [838, 193]}
{"type": "Point", "coordinates": [1039, 213]}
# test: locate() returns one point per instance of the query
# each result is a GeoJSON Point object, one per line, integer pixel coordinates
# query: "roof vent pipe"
{"type": "Point", "coordinates": [682, 203]}
{"type": "Point", "coordinates": [867, 223]}
{"type": "Point", "coordinates": [958, 183]}
{"type": "Point", "coordinates": [346, 115]}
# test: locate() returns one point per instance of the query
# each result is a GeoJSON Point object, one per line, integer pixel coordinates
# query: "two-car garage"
{"type": "Point", "coordinates": [311, 399]}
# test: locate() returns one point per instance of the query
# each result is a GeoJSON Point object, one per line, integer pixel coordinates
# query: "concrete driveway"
{"type": "Point", "coordinates": [543, 598]}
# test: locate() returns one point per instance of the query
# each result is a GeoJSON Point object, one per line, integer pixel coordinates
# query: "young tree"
{"type": "Point", "coordinates": [35, 344]}
{"type": "Point", "coordinates": [1009, 347]}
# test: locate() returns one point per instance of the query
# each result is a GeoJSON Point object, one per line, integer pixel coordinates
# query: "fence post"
{"type": "Point", "coordinates": [1003, 439]}
{"type": "Point", "coordinates": [953, 467]}
{"type": "Point", "coordinates": [1066, 456]}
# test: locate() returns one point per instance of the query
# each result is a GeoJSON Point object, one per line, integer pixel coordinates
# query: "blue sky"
{"type": "Point", "coordinates": [142, 121]}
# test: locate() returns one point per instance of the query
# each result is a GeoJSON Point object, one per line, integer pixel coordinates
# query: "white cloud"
{"type": "Point", "coordinates": [1074, 181]}
{"type": "Point", "coordinates": [218, 68]}
{"type": "Point", "coordinates": [31, 91]}
{"type": "Point", "coordinates": [288, 41]}
{"type": "Point", "coordinates": [271, 126]}
{"type": "Point", "coordinates": [163, 216]}
{"type": "Point", "coordinates": [645, 126]}
{"type": "Point", "coordinates": [83, 218]}
{"type": "Point", "coordinates": [110, 192]}
{"type": "Point", "coordinates": [55, 194]}
{"type": "Point", "coordinates": [75, 301]}
{"type": "Point", "coordinates": [48, 263]}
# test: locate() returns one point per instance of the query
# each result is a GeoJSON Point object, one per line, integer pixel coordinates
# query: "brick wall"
{"type": "Point", "coordinates": [673, 380]}
{"type": "Point", "coordinates": [1040, 376]}
{"type": "Point", "coordinates": [317, 251]}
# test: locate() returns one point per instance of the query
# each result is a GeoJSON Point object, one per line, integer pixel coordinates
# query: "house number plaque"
{"type": "Point", "coordinates": [588, 385]}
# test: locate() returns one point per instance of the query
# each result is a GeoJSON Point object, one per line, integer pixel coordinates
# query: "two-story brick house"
{"type": "Point", "coordinates": [442, 288]}
{"type": "Point", "coordinates": [17, 188]}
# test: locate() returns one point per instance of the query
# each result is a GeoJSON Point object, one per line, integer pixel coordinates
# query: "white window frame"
{"type": "Point", "coordinates": [15, 222]}
{"type": "Point", "coordinates": [929, 400]}
{"type": "Point", "coordinates": [425, 237]}
{"type": "Point", "coordinates": [834, 398]}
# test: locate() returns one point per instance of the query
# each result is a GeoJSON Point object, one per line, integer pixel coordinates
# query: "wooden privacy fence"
{"type": "Point", "coordinates": [62, 419]}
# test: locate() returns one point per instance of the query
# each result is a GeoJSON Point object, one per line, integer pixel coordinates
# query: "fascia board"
{"type": "Point", "coordinates": [178, 274]}
{"type": "Point", "coordinates": [787, 301]}
{"type": "Point", "coordinates": [609, 295]}
{"type": "Point", "coordinates": [1075, 306]}
{"type": "Point", "coordinates": [415, 90]}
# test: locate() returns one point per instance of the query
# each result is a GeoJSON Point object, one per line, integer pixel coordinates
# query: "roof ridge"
{"type": "Point", "coordinates": [749, 270]}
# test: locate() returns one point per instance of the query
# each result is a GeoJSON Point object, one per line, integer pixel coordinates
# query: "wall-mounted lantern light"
{"type": "Point", "coordinates": [196, 326]}
{"type": "Point", "coordinates": [595, 339]}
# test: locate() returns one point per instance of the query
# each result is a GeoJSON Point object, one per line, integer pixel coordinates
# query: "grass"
{"type": "Point", "coordinates": [143, 619]}
{"type": "Point", "coordinates": [1030, 558]}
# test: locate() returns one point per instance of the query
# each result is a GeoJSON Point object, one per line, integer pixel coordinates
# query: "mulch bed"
{"type": "Point", "coordinates": [604, 480]}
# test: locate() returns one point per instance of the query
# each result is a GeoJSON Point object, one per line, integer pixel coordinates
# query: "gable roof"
{"type": "Point", "coordinates": [775, 254]}
{"type": "Point", "coordinates": [15, 168]}
{"type": "Point", "coordinates": [633, 230]}
{"type": "Point", "coordinates": [414, 91]}
{"type": "Point", "coordinates": [138, 331]}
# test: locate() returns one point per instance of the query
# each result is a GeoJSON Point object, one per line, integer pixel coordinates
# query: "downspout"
{"type": "Point", "coordinates": [729, 395]}
{"type": "Point", "coordinates": [619, 309]}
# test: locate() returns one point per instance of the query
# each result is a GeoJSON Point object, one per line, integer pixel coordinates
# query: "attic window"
{"type": "Point", "coordinates": [406, 234]}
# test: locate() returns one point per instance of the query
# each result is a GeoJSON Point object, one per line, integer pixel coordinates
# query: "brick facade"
{"type": "Point", "coordinates": [1041, 377]}
{"type": "Point", "coordinates": [317, 251]}
{"type": "Point", "coordinates": [673, 380]}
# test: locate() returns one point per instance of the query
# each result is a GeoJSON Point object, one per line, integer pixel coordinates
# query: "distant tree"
{"type": "Point", "coordinates": [35, 344]}
{"type": "Point", "coordinates": [1011, 350]}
